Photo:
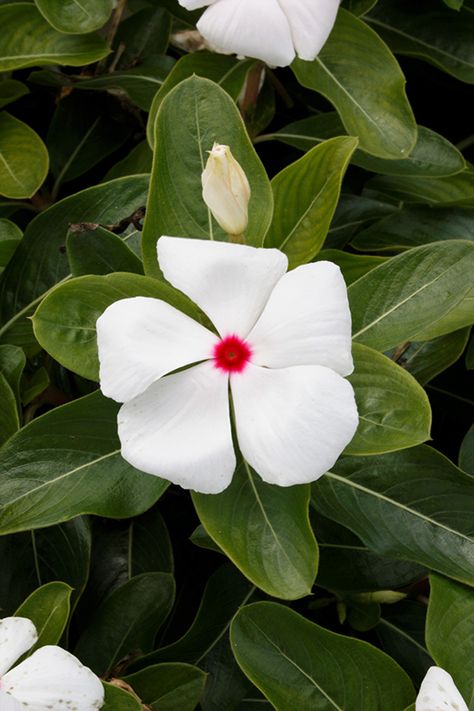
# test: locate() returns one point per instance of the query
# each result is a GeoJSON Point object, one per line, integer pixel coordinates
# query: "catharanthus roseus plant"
{"type": "Point", "coordinates": [284, 346]}
{"type": "Point", "coordinates": [50, 678]}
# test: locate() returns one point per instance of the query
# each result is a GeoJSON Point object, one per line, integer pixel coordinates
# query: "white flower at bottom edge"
{"type": "Point", "coordinates": [438, 692]}
{"type": "Point", "coordinates": [272, 30]}
{"type": "Point", "coordinates": [50, 679]}
{"type": "Point", "coordinates": [284, 346]}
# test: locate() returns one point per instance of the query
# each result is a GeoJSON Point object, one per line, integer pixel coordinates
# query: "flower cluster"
{"type": "Point", "coordinates": [50, 678]}
{"type": "Point", "coordinates": [272, 30]}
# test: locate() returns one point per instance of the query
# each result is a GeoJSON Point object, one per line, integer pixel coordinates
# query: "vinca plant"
{"type": "Point", "coordinates": [236, 294]}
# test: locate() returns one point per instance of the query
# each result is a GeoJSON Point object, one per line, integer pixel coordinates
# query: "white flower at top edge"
{"type": "Point", "coordinates": [284, 346]}
{"type": "Point", "coordinates": [50, 678]}
{"type": "Point", "coordinates": [438, 692]}
{"type": "Point", "coordinates": [272, 30]}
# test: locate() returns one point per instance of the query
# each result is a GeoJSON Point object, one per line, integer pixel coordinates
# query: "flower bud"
{"type": "Point", "coordinates": [226, 190]}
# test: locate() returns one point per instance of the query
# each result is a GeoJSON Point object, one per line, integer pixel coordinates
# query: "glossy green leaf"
{"type": "Point", "coordinates": [414, 505]}
{"type": "Point", "coordinates": [12, 364]}
{"type": "Point", "coordinates": [28, 39]}
{"type": "Point", "coordinates": [306, 194]}
{"type": "Point", "coordinates": [48, 609]}
{"type": "Point", "coordinates": [352, 266]}
{"type": "Point", "coordinates": [65, 322]}
{"type": "Point", "coordinates": [24, 158]}
{"type": "Point", "coordinates": [228, 72]}
{"type": "Point", "coordinates": [358, 7]}
{"type": "Point", "coordinates": [265, 531]}
{"type": "Point", "coordinates": [226, 590]}
{"type": "Point", "coordinates": [9, 418]}
{"type": "Point", "coordinates": [454, 190]}
{"type": "Point", "coordinates": [413, 292]}
{"type": "Point", "coordinates": [466, 453]}
{"type": "Point", "coordinates": [372, 104]}
{"type": "Point", "coordinates": [226, 685]}
{"type": "Point", "coordinates": [424, 29]}
{"type": "Point", "coordinates": [450, 630]}
{"type": "Point", "coordinates": [117, 699]}
{"type": "Point", "coordinates": [415, 225]}
{"type": "Point", "coordinates": [100, 251]}
{"type": "Point", "coordinates": [298, 664]}
{"type": "Point", "coordinates": [169, 687]}
{"type": "Point", "coordinates": [10, 237]}
{"type": "Point", "coordinates": [143, 35]}
{"type": "Point", "coordinates": [67, 463]}
{"type": "Point", "coordinates": [138, 161]}
{"type": "Point", "coordinates": [176, 207]}
{"type": "Point", "coordinates": [11, 90]}
{"type": "Point", "coordinates": [432, 155]}
{"type": "Point", "coordinates": [394, 410]}
{"type": "Point", "coordinates": [426, 359]}
{"type": "Point", "coordinates": [74, 16]}
{"type": "Point", "coordinates": [127, 621]}
{"type": "Point", "coordinates": [354, 211]}
{"type": "Point", "coordinates": [40, 260]}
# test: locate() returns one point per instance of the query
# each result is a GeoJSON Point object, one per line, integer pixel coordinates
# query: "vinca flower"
{"type": "Point", "coordinates": [438, 692]}
{"type": "Point", "coordinates": [50, 678]}
{"type": "Point", "coordinates": [226, 190]}
{"type": "Point", "coordinates": [283, 346]}
{"type": "Point", "coordinates": [272, 30]}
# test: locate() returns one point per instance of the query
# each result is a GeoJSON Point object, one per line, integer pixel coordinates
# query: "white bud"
{"type": "Point", "coordinates": [226, 190]}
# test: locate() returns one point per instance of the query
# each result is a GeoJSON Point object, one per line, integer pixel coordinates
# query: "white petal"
{"type": "Point", "coordinates": [17, 636]}
{"type": "Point", "coordinates": [195, 4]}
{"type": "Point", "coordinates": [252, 28]}
{"type": "Point", "coordinates": [53, 679]}
{"type": "Point", "coordinates": [293, 423]}
{"type": "Point", "coordinates": [438, 692]}
{"type": "Point", "coordinates": [141, 339]}
{"type": "Point", "coordinates": [311, 22]}
{"type": "Point", "coordinates": [179, 429]}
{"type": "Point", "coordinates": [8, 703]}
{"type": "Point", "coordinates": [306, 321]}
{"type": "Point", "coordinates": [230, 282]}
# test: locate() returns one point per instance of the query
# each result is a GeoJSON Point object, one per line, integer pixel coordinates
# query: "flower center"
{"type": "Point", "coordinates": [231, 354]}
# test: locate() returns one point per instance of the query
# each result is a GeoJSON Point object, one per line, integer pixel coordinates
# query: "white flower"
{"type": "Point", "coordinates": [438, 692]}
{"type": "Point", "coordinates": [226, 190]}
{"type": "Point", "coordinates": [284, 345]}
{"type": "Point", "coordinates": [272, 30]}
{"type": "Point", "coordinates": [50, 679]}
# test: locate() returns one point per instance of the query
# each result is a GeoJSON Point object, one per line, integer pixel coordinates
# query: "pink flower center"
{"type": "Point", "coordinates": [231, 354]}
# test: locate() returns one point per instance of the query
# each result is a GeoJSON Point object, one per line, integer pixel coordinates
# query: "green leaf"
{"type": "Point", "coordinates": [425, 360]}
{"type": "Point", "coordinates": [352, 212]}
{"type": "Point", "coordinates": [414, 505]}
{"type": "Point", "coordinates": [298, 664]}
{"type": "Point", "coordinates": [10, 237]}
{"type": "Point", "coordinates": [9, 418]}
{"type": "Point", "coordinates": [306, 194]}
{"type": "Point", "coordinates": [358, 7]}
{"type": "Point", "coordinates": [433, 155]}
{"type": "Point", "coordinates": [65, 322]}
{"type": "Point", "coordinates": [454, 190]}
{"type": "Point", "coordinates": [67, 463]}
{"type": "Point", "coordinates": [228, 72]}
{"type": "Point", "coordinates": [265, 531]}
{"type": "Point", "coordinates": [28, 39]}
{"type": "Point", "coordinates": [414, 291]}
{"type": "Point", "coordinates": [415, 225]}
{"type": "Point", "coordinates": [143, 35]}
{"type": "Point", "coordinates": [466, 453]}
{"type": "Point", "coordinates": [372, 104]}
{"type": "Point", "coordinates": [169, 687]}
{"type": "Point", "coordinates": [24, 158]}
{"type": "Point", "coordinates": [127, 621]}
{"type": "Point", "coordinates": [450, 630]}
{"type": "Point", "coordinates": [39, 261]}
{"type": "Point", "coordinates": [48, 609]}
{"type": "Point", "coordinates": [99, 251]}
{"type": "Point", "coordinates": [207, 114]}
{"type": "Point", "coordinates": [76, 17]}
{"type": "Point", "coordinates": [12, 364]}
{"type": "Point", "coordinates": [137, 161]}
{"type": "Point", "coordinates": [423, 29]}
{"type": "Point", "coordinates": [394, 410]}
{"type": "Point", "coordinates": [11, 90]}
{"type": "Point", "coordinates": [226, 590]}
{"type": "Point", "coordinates": [119, 700]}
{"type": "Point", "coordinates": [352, 266]}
